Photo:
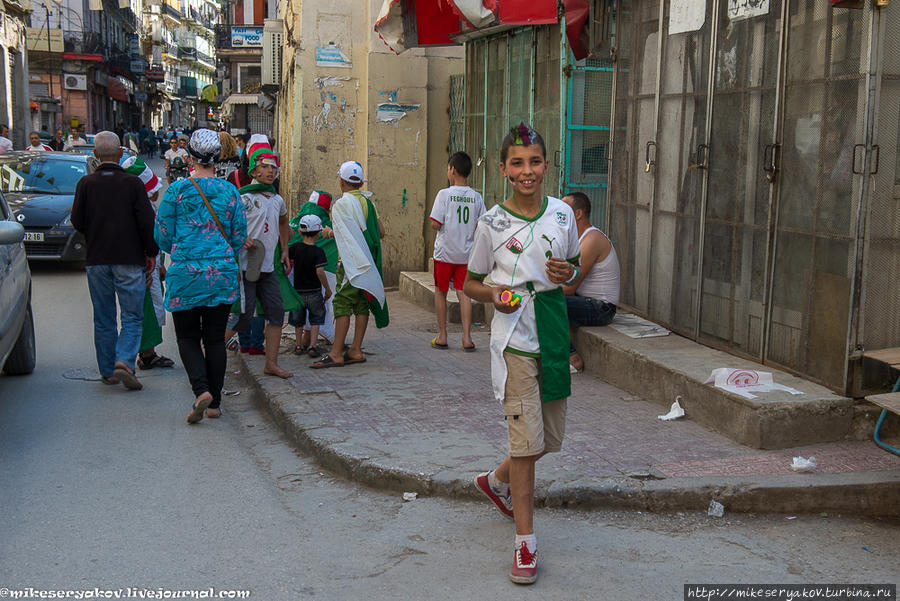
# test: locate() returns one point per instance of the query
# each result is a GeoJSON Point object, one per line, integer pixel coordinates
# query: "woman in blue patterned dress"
{"type": "Point", "coordinates": [202, 281]}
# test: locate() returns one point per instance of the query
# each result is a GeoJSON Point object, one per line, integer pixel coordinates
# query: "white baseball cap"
{"type": "Point", "coordinates": [352, 172]}
{"type": "Point", "coordinates": [310, 224]}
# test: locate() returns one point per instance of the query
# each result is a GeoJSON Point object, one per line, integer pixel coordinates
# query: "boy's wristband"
{"type": "Point", "coordinates": [574, 276]}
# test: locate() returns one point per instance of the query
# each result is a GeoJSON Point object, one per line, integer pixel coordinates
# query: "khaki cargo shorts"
{"type": "Point", "coordinates": [533, 426]}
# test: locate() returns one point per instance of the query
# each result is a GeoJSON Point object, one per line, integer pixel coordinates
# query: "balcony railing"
{"type": "Point", "coordinates": [171, 11]}
{"type": "Point", "coordinates": [81, 42]}
{"type": "Point", "coordinates": [129, 17]}
{"type": "Point", "coordinates": [205, 58]}
{"type": "Point", "coordinates": [199, 18]}
{"type": "Point", "coordinates": [120, 61]}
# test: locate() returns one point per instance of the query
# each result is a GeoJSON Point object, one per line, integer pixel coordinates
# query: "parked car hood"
{"type": "Point", "coordinates": [40, 209]}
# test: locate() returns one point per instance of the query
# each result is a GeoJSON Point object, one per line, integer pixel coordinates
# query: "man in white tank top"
{"type": "Point", "coordinates": [592, 298]}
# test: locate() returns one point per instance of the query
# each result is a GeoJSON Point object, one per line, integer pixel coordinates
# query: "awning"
{"type": "Point", "coordinates": [577, 15]}
{"type": "Point", "coordinates": [238, 99]}
{"type": "Point", "coordinates": [241, 99]}
{"type": "Point", "coordinates": [115, 89]}
{"type": "Point", "coordinates": [403, 24]}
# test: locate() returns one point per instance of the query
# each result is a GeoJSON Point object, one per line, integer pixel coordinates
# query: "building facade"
{"type": "Point", "coordinates": [89, 71]}
{"type": "Point", "coordinates": [741, 156]}
{"type": "Point", "coordinates": [753, 201]}
{"type": "Point", "coordinates": [246, 106]}
{"type": "Point", "coordinates": [14, 105]}
{"type": "Point", "coordinates": [345, 95]}
{"type": "Point", "coordinates": [181, 51]}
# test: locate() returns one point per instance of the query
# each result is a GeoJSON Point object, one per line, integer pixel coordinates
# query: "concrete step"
{"type": "Point", "coordinates": [659, 369]}
{"type": "Point", "coordinates": [418, 288]}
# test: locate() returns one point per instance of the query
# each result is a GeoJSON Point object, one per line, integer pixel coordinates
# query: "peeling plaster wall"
{"type": "Point", "coordinates": [442, 64]}
{"type": "Point", "coordinates": [346, 96]}
{"type": "Point", "coordinates": [398, 157]}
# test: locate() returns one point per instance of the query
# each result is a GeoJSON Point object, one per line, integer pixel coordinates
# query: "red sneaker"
{"type": "Point", "coordinates": [504, 504]}
{"type": "Point", "coordinates": [245, 349]}
{"type": "Point", "coordinates": [524, 569]}
{"type": "Point", "coordinates": [255, 351]}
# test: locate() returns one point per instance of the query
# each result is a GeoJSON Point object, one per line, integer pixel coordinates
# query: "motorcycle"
{"type": "Point", "coordinates": [178, 169]}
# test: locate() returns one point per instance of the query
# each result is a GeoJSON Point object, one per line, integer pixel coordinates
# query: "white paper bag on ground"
{"type": "Point", "coordinates": [802, 464]}
{"type": "Point", "coordinates": [745, 382]}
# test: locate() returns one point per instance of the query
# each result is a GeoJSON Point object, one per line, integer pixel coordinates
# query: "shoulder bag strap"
{"type": "Point", "coordinates": [209, 206]}
{"type": "Point", "coordinates": [222, 230]}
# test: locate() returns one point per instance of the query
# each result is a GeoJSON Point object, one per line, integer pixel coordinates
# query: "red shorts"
{"type": "Point", "coordinates": [444, 272]}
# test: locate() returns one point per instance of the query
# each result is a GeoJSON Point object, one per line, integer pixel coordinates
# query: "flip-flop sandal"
{"type": "Point", "coordinates": [197, 410]}
{"type": "Point", "coordinates": [128, 379]}
{"type": "Point", "coordinates": [434, 344]}
{"type": "Point", "coordinates": [313, 352]}
{"type": "Point", "coordinates": [470, 349]}
{"type": "Point", "coordinates": [154, 360]}
{"type": "Point", "coordinates": [350, 361]}
{"type": "Point", "coordinates": [301, 349]}
{"type": "Point", "coordinates": [109, 380]}
{"type": "Point", "coordinates": [161, 361]}
{"type": "Point", "coordinates": [255, 257]}
{"type": "Point", "coordinates": [326, 362]}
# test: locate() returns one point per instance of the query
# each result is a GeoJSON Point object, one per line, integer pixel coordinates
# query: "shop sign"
{"type": "Point", "coordinates": [36, 37]}
{"type": "Point", "coordinates": [246, 37]}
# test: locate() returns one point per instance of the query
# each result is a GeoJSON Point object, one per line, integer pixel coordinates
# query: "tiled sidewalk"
{"type": "Point", "coordinates": [432, 409]}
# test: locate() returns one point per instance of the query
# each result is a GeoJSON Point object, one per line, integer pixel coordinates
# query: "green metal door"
{"type": "Point", "coordinates": [589, 100]}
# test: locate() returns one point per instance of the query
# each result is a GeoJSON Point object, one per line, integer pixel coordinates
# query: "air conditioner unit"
{"type": "Point", "coordinates": [74, 82]}
{"type": "Point", "coordinates": [273, 46]}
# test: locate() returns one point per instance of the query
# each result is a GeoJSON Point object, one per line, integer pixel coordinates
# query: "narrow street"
{"type": "Point", "coordinates": [108, 488]}
{"type": "Point", "coordinates": [713, 186]}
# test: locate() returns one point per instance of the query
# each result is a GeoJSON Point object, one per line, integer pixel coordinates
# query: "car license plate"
{"type": "Point", "coordinates": [34, 236]}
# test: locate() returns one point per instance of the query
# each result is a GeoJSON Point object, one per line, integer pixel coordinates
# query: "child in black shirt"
{"type": "Point", "coordinates": [309, 279]}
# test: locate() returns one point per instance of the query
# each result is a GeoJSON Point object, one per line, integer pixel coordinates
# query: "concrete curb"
{"type": "Point", "coordinates": [857, 493]}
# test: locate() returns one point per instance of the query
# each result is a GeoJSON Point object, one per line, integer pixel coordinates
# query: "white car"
{"type": "Point", "coordinates": [17, 349]}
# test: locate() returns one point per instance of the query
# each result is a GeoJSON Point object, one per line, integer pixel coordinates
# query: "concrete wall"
{"type": "Point", "coordinates": [329, 113]}
{"type": "Point", "coordinates": [442, 64]}
{"type": "Point", "coordinates": [14, 105]}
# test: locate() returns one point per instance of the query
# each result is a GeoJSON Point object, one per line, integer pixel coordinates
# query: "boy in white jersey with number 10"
{"type": "Point", "coordinates": [528, 245]}
{"type": "Point", "coordinates": [455, 214]}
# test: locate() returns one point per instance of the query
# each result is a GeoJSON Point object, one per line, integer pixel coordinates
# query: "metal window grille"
{"type": "Point", "coordinates": [457, 140]}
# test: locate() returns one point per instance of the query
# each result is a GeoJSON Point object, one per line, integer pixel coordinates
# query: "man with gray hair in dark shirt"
{"type": "Point", "coordinates": [113, 212]}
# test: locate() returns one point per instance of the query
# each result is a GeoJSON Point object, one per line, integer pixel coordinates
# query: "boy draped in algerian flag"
{"type": "Point", "coordinates": [319, 204]}
{"type": "Point", "coordinates": [264, 258]}
{"type": "Point", "coordinates": [154, 311]}
{"type": "Point", "coordinates": [528, 244]}
{"type": "Point", "coordinates": [360, 288]}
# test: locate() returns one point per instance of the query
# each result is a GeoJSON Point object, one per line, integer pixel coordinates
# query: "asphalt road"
{"type": "Point", "coordinates": [101, 487]}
